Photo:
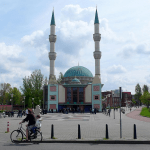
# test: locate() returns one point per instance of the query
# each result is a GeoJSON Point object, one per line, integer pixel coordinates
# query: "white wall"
{"type": "Point", "coordinates": [61, 97]}
{"type": "Point", "coordinates": [88, 92]}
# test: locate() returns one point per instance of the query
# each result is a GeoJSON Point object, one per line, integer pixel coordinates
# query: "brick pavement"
{"type": "Point", "coordinates": [136, 115]}
{"type": "Point", "coordinates": [92, 126]}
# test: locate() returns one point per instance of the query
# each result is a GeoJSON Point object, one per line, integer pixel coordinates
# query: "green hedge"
{"type": "Point", "coordinates": [145, 112]}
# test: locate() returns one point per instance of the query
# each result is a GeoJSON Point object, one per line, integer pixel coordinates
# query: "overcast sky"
{"type": "Point", "coordinates": [125, 39]}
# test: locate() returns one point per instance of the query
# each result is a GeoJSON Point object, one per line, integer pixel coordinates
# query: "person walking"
{"type": "Point", "coordinates": [95, 111]}
{"type": "Point", "coordinates": [18, 113]}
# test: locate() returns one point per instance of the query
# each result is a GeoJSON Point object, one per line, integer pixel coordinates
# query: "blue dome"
{"type": "Point", "coordinates": [78, 71]}
{"type": "Point", "coordinates": [75, 80]}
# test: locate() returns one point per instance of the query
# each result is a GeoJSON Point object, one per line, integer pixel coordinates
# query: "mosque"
{"type": "Point", "coordinates": [78, 88]}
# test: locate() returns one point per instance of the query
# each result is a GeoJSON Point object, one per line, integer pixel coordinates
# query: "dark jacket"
{"type": "Point", "coordinates": [30, 118]}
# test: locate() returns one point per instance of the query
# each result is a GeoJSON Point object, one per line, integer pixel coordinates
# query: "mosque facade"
{"type": "Point", "coordinates": [78, 87]}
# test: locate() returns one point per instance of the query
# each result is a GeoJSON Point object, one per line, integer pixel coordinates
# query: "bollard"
{"type": "Point", "coordinates": [7, 126]}
{"type": "Point", "coordinates": [52, 131]}
{"type": "Point", "coordinates": [107, 136]}
{"type": "Point", "coordinates": [134, 132]}
{"type": "Point", "coordinates": [79, 132]}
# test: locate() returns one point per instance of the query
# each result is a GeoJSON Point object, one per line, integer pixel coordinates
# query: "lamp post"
{"type": "Point", "coordinates": [120, 93]}
{"type": "Point", "coordinates": [40, 102]}
{"type": "Point", "coordinates": [24, 101]}
{"type": "Point", "coordinates": [126, 101]}
{"type": "Point", "coordinates": [108, 95]}
{"type": "Point", "coordinates": [11, 102]}
{"type": "Point", "coordinates": [33, 102]}
{"type": "Point", "coordinates": [113, 102]}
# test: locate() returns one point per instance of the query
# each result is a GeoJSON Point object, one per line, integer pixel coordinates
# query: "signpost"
{"type": "Point", "coordinates": [120, 92]}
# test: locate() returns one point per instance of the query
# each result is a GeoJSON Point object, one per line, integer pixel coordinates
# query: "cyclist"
{"type": "Point", "coordinates": [31, 122]}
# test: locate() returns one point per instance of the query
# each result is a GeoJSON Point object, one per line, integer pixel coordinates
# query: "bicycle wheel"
{"type": "Point", "coordinates": [37, 136]}
{"type": "Point", "coordinates": [16, 135]}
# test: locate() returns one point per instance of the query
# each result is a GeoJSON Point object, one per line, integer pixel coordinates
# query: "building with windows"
{"type": "Point", "coordinates": [112, 99]}
{"type": "Point", "coordinates": [79, 89]}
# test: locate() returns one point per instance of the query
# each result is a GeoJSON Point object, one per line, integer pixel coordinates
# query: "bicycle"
{"type": "Point", "coordinates": [20, 134]}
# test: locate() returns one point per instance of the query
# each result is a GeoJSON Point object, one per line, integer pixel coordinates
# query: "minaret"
{"type": "Point", "coordinates": [97, 52]}
{"type": "Point", "coordinates": [52, 53]}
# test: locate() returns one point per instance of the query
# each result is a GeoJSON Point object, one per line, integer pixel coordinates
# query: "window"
{"type": "Point", "coordinates": [74, 94]}
{"type": "Point", "coordinates": [96, 97]}
{"type": "Point", "coordinates": [52, 97]}
{"type": "Point", "coordinates": [69, 94]}
{"type": "Point", "coordinates": [81, 95]}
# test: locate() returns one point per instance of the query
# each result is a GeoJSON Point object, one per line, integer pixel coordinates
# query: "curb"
{"type": "Point", "coordinates": [88, 141]}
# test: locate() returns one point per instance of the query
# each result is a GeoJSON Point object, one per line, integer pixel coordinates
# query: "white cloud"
{"type": "Point", "coordinates": [131, 50]}
{"type": "Point", "coordinates": [9, 51]}
{"type": "Point", "coordinates": [115, 69]}
{"type": "Point", "coordinates": [77, 9]}
{"type": "Point", "coordinates": [33, 39]}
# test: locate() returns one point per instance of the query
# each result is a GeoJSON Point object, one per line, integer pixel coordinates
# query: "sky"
{"type": "Point", "coordinates": [125, 39]}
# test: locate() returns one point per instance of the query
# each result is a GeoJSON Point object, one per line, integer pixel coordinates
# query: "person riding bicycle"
{"type": "Point", "coordinates": [31, 122]}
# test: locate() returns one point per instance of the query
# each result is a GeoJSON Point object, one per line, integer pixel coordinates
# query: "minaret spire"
{"type": "Point", "coordinates": [97, 52]}
{"type": "Point", "coordinates": [52, 53]}
{"type": "Point", "coordinates": [53, 18]}
{"type": "Point", "coordinates": [96, 17]}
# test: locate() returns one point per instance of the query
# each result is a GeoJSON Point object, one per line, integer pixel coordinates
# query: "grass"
{"type": "Point", "coordinates": [19, 139]}
{"type": "Point", "coordinates": [145, 112]}
{"type": "Point", "coordinates": [6, 132]}
{"type": "Point", "coordinates": [54, 137]}
{"type": "Point", "coordinates": [105, 139]}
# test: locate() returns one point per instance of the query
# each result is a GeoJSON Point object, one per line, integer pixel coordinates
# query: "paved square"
{"type": "Point", "coordinates": [92, 126]}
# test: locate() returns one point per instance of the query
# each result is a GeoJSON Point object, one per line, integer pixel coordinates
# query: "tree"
{"type": "Point", "coordinates": [145, 98]}
{"type": "Point", "coordinates": [138, 92]}
{"type": "Point", "coordinates": [4, 88]}
{"type": "Point", "coordinates": [33, 88]}
{"type": "Point", "coordinates": [16, 96]}
{"type": "Point", "coordinates": [133, 101]}
{"type": "Point", "coordinates": [60, 77]}
{"type": "Point", "coordinates": [145, 88]}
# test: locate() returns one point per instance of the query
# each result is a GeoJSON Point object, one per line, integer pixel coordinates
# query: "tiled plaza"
{"type": "Point", "coordinates": [92, 126]}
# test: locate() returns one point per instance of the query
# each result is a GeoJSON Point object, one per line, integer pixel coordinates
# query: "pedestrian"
{"type": "Point", "coordinates": [95, 111]}
{"type": "Point", "coordinates": [18, 113]}
{"type": "Point", "coordinates": [130, 109]}
{"type": "Point", "coordinates": [90, 110]}
{"type": "Point", "coordinates": [24, 112]}
{"type": "Point", "coordinates": [21, 113]}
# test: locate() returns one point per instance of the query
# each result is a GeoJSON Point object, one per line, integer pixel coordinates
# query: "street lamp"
{"type": "Point", "coordinates": [40, 102]}
{"type": "Point", "coordinates": [24, 101]}
{"type": "Point", "coordinates": [33, 102]}
{"type": "Point", "coordinates": [113, 93]}
{"type": "Point", "coordinates": [126, 101]}
{"type": "Point", "coordinates": [11, 102]}
{"type": "Point", "coordinates": [108, 95]}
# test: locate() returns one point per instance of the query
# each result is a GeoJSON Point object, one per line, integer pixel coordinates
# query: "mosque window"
{"type": "Point", "coordinates": [81, 95]}
{"type": "Point", "coordinates": [75, 94]}
{"type": "Point", "coordinates": [69, 94]}
{"type": "Point", "coordinates": [96, 97]}
{"type": "Point", "coordinates": [53, 97]}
